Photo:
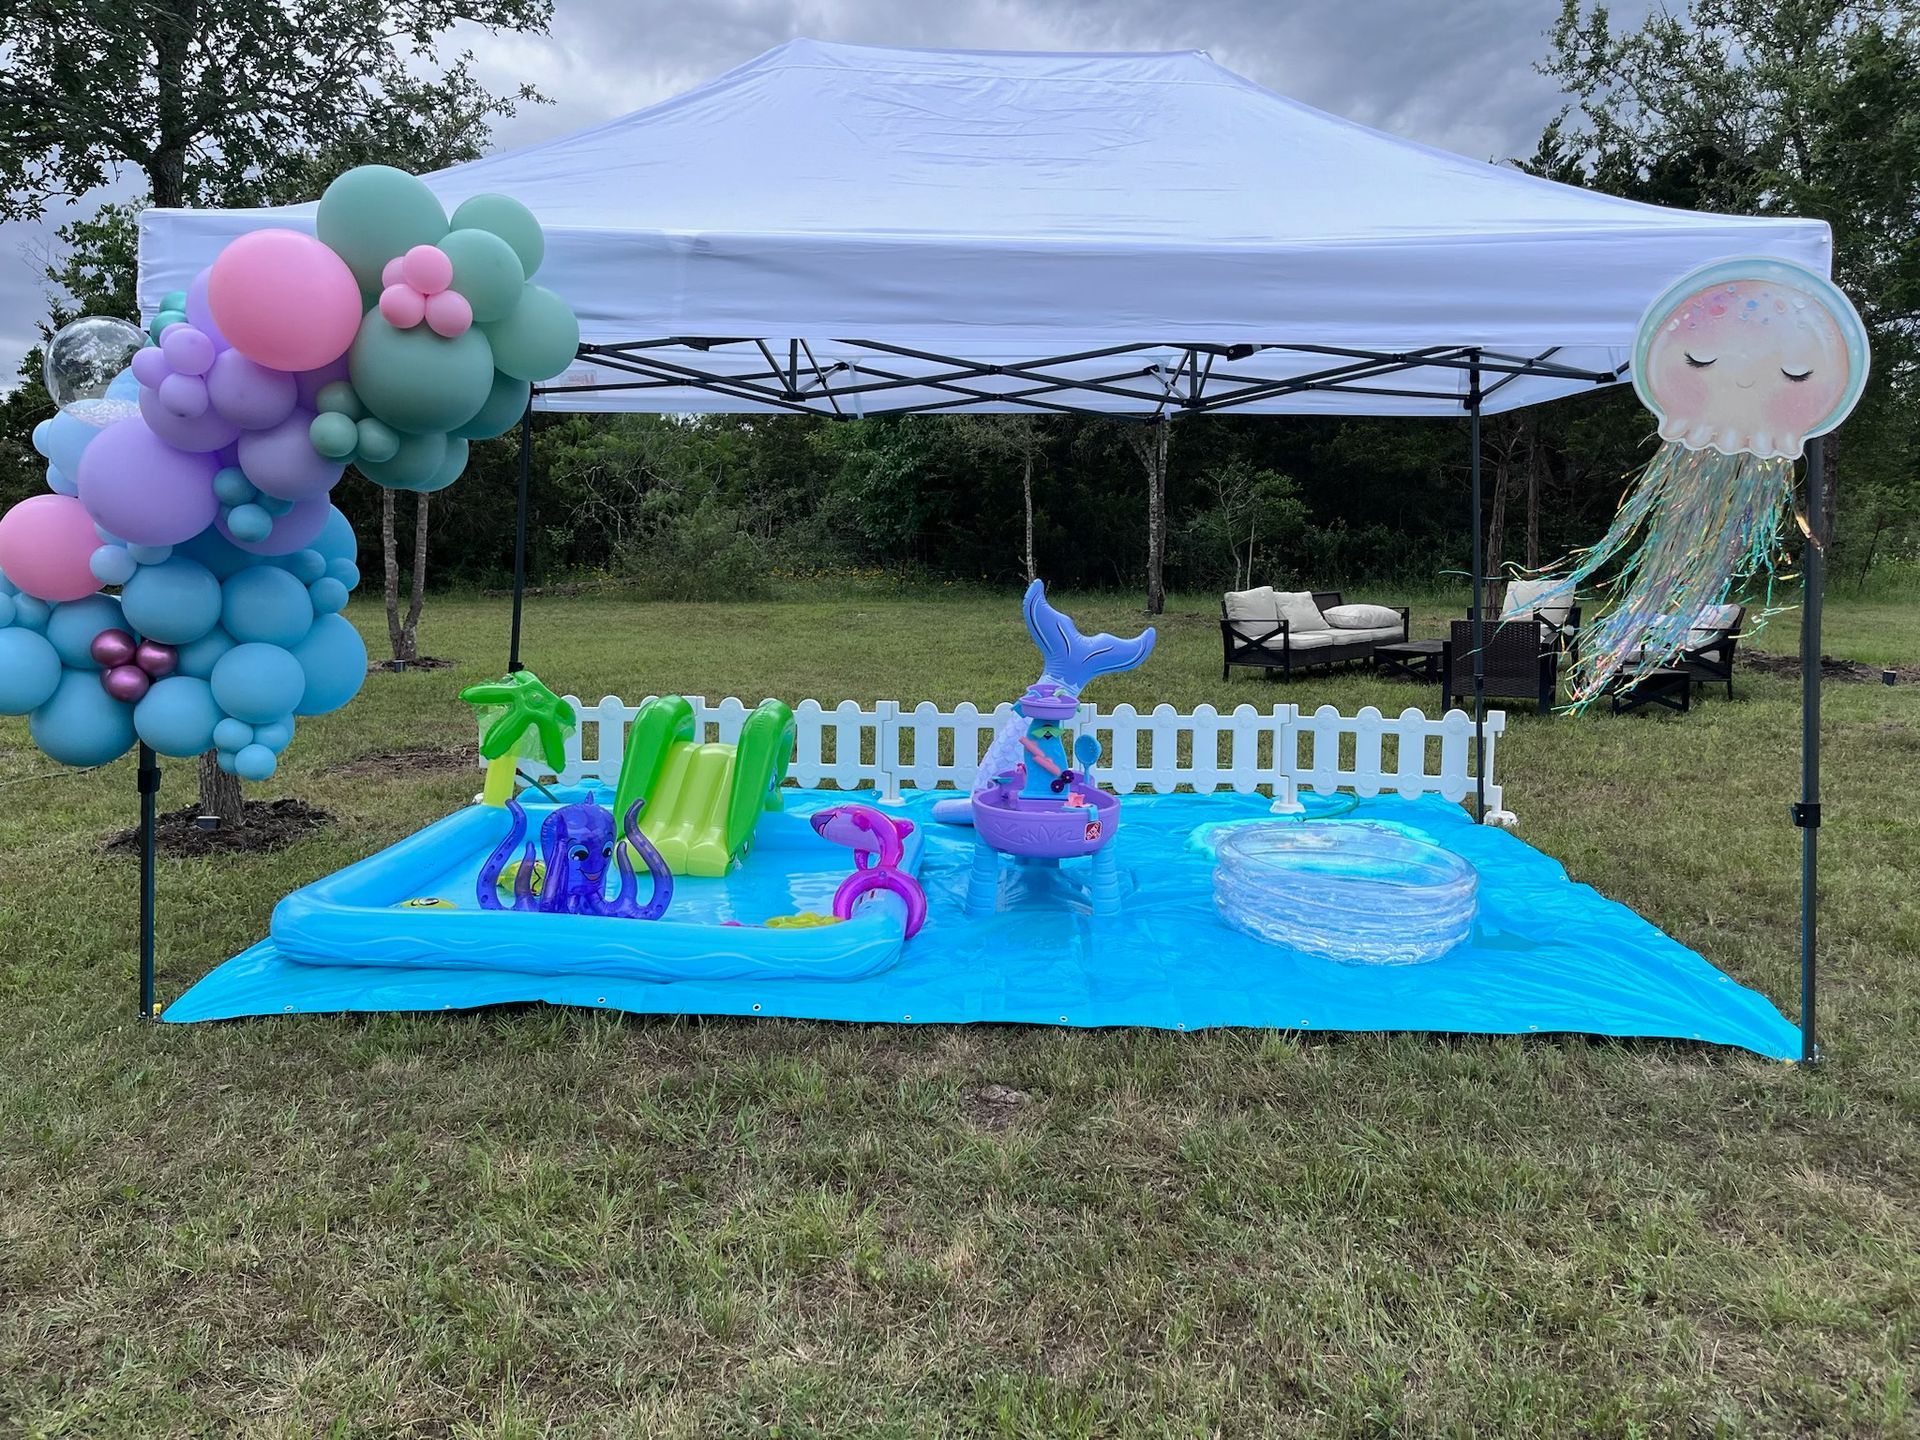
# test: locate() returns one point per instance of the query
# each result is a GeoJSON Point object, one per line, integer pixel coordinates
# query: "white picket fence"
{"type": "Point", "coordinates": [891, 747]}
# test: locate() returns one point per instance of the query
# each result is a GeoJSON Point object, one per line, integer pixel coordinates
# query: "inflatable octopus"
{"type": "Point", "coordinates": [578, 845]}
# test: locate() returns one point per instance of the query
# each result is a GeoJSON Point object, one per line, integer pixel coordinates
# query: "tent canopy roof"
{"type": "Point", "coordinates": [850, 230]}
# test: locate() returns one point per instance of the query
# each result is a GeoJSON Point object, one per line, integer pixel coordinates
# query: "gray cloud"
{"type": "Point", "coordinates": [1453, 73]}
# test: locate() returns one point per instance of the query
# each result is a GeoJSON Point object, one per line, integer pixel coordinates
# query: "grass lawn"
{"type": "Point", "coordinates": [532, 1220]}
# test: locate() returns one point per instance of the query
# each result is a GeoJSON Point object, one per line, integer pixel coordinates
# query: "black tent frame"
{"type": "Point", "coordinates": [1152, 392]}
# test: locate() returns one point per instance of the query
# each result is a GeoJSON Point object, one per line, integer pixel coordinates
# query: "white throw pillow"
{"type": "Point", "coordinates": [1362, 617]}
{"type": "Point", "coordinates": [1711, 624]}
{"type": "Point", "coordinates": [1298, 610]}
{"type": "Point", "coordinates": [1253, 612]}
{"type": "Point", "coordinates": [1523, 598]}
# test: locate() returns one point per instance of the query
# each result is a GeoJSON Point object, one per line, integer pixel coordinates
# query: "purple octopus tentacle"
{"type": "Point", "coordinates": [523, 896]}
{"type": "Point", "coordinates": [662, 896]}
{"type": "Point", "coordinates": [488, 889]}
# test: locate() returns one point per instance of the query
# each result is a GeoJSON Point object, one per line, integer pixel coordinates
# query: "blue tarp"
{"type": "Point", "coordinates": [1546, 955]}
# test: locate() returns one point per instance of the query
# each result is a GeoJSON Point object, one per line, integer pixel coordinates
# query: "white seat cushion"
{"type": "Point", "coordinates": [1711, 624]}
{"type": "Point", "coordinates": [1378, 635]}
{"type": "Point", "coordinates": [1299, 611]}
{"type": "Point", "coordinates": [1362, 617]}
{"type": "Point", "coordinates": [1524, 597]}
{"type": "Point", "coordinates": [1316, 639]}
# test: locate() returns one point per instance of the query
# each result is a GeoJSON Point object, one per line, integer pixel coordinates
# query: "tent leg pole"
{"type": "Point", "coordinates": [520, 535]}
{"type": "Point", "coordinates": [1479, 599]}
{"type": "Point", "coordinates": [149, 787]}
{"type": "Point", "coordinates": [1807, 813]}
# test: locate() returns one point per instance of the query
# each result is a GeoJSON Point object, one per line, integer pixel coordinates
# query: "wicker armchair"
{"type": "Point", "coordinates": [1709, 659]}
{"type": "Point", "coordinates": [1517, 663]}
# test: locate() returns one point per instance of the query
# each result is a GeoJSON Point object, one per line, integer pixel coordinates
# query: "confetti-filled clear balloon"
{"type": "Point", "coordinates": [82, 360]}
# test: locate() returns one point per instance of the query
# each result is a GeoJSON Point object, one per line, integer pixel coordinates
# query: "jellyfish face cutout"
{"type": "Point", "coordinates": [1750, 357]}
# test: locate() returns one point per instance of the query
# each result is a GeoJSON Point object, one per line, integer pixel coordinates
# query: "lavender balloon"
{"type": "Point", "coordinates": [150, 367]}
{"type": "Point", "coordinates": [126, 682]}
{"type": "Point", "coordinates": [312, 382]}
{"type": "Point", "coordinates": [155, 660]}
{"type": "Point", "coordinates": [112, 649]}
{"type": "Point", "coordinates": [282, 461]}
{"type": "Point", "coordinates": [183, 395]}
{"type": "Point", "coordinates": [199, 316]}
{"type": "Point", "coordinates": [199, 434]}
{"type": "Point", "coordinates": [250, 395]}
{"type": "Point", "coordinates": [145, 490]}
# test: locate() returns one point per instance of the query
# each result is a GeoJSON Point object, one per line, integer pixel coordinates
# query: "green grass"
{"type": "Point", "coordinates": [536, 1221]}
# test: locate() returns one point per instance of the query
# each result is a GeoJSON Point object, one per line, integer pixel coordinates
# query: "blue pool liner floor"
{"type": "Point", "coordinates": [1546, 955]}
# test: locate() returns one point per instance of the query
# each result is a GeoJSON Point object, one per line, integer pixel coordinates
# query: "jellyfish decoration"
{"type": "Point", "coordinates": [1741, 362]}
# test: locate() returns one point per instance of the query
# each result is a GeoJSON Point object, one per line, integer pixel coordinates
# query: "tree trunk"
{"type": "Point", "coordinates": [1497, 517]}
{"type": "Point", "coordinates": [1534, 460]}
{"type": "Point", "coordinates": [1026, 496]}
{"type": "Point", "coordinates": [175, 23]}
{"type": "Point", "coordinates": [418, 598]}
{"type": "Point", "coordinates": [221, 795]}
{"type": "Point", "coordinates": [1156, 467]}
{"type": "Point", "coordinates": [397, 638]}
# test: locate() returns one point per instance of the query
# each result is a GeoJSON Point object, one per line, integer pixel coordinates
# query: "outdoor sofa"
{"type": "Point", "coordinates": [1289, 630]}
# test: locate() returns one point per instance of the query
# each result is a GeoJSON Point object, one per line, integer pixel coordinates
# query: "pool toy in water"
{"type": "Point", "coordinates": [1345, 890]}
{"type": "Point", "coordinates": [1029, 801]}
{"type": "Point", "coordinates": [578, 845]}
{"type": "Point", "coordinates": [878, 843]}
{"type": "Point", "coordinates": [703, 800]}
{"type": "Point", "coordinates": [519, 718]}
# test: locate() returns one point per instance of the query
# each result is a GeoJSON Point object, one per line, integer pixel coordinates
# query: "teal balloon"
{"type": "Point", "coordinates": [231, 734]}
{"type": "Point", "coordinates": [231, 486]}
{"type": "Point", "coordinates": [537, 340]}
{"type": "Point", "coordinates": [449, 471]}
{"type": "Point", "coordinates": [276, 735]}
{"type": "Point", "coordinates": [507, 218]}
{"type": "Point", "coordinates": [377, 440]}
{"type": "Point", "coordinates": [216, 552]}
{"type": "Point", "coordinates": [251, 523]}
{"type": "Point", "coordinates": [31, 614]}
{"type": "Point", "coordinates": [265, 605]}
{"type": "Point", "coordinates": [163, 320]}
{"type": "Point", "coordinates": [373, 213]}
{"type": "Point", "coordinates": [258, 683]}
{"type": "Point", "coordinates": [417, 459]}
{"type": "Point", "coordinates": [336, 540]}
{"type": "Point", "coordinates": [177, 716]}
{"type": "Point", "coordinates": [174, 300]}
{"type": "Point", "coordinates": [416, 380]}
{"type": "Point", "coordinates": [334, 434]}
{"type": "Point", "coordinates": [72, 626]}
{"type": "Point", "coordinates": [506, 403]}
{"type": "Point", "coordinates": [306, 566]}
{"type": "Point", "coordinates": [29, 671]}
{"type": "Point", "coordinates": [198, 657]}
{"type": "Point", "coordinates": [337, 397]}
{"type": "Point", "coordinates": [486, 271]}
{"type": "Point", "coordinates": [174, 602]}
{"type": "Point", "coordinates": [329, 596]}
{"type": "Point", "coordinates": [80, 724]}
{"type": "Point", "coordinates": [333, 660]}
{"type": "Point", "coordinates": [256, 762]}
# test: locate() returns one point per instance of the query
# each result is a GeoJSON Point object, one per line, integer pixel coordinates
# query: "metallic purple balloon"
{"type": "Point", "coordinates": [112, 648]}
{"type": "Point", "coordinates": [157, 661]}
{"type": "Point", "coordinates": [126, 682]}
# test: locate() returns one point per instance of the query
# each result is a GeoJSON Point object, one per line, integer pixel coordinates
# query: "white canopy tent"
{"type": "Point", "coordinates": [851, 230]}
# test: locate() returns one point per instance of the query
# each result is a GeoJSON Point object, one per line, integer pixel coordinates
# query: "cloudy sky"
{"type": "Point", "coordinates": [1453, 73]}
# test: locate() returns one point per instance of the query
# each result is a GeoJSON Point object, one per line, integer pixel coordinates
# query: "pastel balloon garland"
{"type": "Point", "coordinates": [183, 581]}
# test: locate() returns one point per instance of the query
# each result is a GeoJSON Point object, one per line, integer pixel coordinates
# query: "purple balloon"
{"type": "Point", "coordinates": [183, 395]}
{"type": "Point", "coordinates": [312, 382]}
{"type": "Point", "coordinates": [251, 396]}
{"type": "Point", "coordinates": [150, 367]}
{"type": "Point", "coordinates": [205, 432]}
{"type": "Point", "coordinates": [155, 660]}
{"type": "Point", "coordinates": [295, 530]}
{"type": "Point", "coordinates": [187, 350]}
{"type": "Point", "coordinates": [283, 463]}
{"type": "Point", "coordinates": [126, 682]}
{"type": "Point", "coordinates": [199, 316]}
{"type": "Point", "coordinates": [112, 648]}
{"type": "Point", "coordinates": [144, 490]}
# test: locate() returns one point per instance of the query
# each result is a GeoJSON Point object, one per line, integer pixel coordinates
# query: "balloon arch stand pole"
{"type": "Point", "coordinates": [1806, 814]}
{"type": "Point", "coordinates": [148, 782]}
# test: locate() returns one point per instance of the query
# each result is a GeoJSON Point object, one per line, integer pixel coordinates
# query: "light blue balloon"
{"type": "Point", "coordinates": [62, 439]}
{"type": "Point", "coordinates": [266, 605]}
{"type": "Point", "coordinates": [333, 660]}
{"type": "Point", "coordinates": [198, 657]}
{"type": "Point", "coordinates": [29, 671]}
{"type": "Point", "coordinates": [231, 486]}
{"type": "Point", "coordinates": [150, 554]}
{"type": "Point", "coordinates": [112, 564]}
{"type": "Point", "coordinates": [256, 762]}
{"type": "Point", "coordinates": [126, 385]}
{"type": "Point", "coordinates": [329, 596]}
{"type": "Point", "coordinates": [336, 540]}
{"type": "Point", "coordinates": [232, 735]}
{"type": "Point", "coordinates": [276, 735]}
{"type": "Point", "coordinates": [274, 505]}
{"type": "Point", "coordinates": [224, 759]}
{"type": "Point", "coordinates": [216, 552]}
{"type": "Point", "coordinates": [7, 587]}
{"type": "Point", "coordinates": [31, 613]}
{"type": "Point", "coordinates": [80, 724]}
{"type": "Point", "coordinates": [176, 601]}
{"type": "Point", "coordinates": [72, 626]}
{"type": "Point", "coordinates": [256, 682]}
{"type": "Point", "coordinates": [250, 523]}
{"type": "Point", "coordinates": [60, 484]}
{"type": "Point", "coordinates": [177, 716]}
{"type": "Point", "coordinates": [6, 609]}
{"type": "Point", "coordinates": [306, 566]}
{"type": "Point", "coordinates": [345, 571]}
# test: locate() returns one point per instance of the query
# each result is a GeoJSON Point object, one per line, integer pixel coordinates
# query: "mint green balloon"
{"type": "Point", "coordinates": [501, 413]}
{"type": "Point", "coordinates": [508, 219]}
{"type": "Point", "coordinates": [486, 271]}
{"type": "Point", "coordinates": [451, 465]}
{"type": "Point", "coordinates": [373, 213]}
{"type": "Point", "coordinates": [333, 435]}
{"type": "Point", "coordinates": [538, 340]}
{"type": "Point", "coordinates": [417, 458]}
{"type": "Point", "coordinates": [340, 398]}
{"type": "Point", "coordinates": [416, 380]}
{"type": "Point", "coordinates": [163, 320]}
{"type": "Point", "coordinates": [378, 440]}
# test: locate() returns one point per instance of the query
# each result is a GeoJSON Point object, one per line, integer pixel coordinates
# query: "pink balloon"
{"type": "Point", "coordinates": [391, 273]}
{"type": "Point", "coordinates": [199, 434]}
{"type": "Point", "coordinates": [449, 314]}
{"type": "Point", "coordinates": [427, 268]}
{"type": "Point", "coordinates": [282, 461]}
{"type": "Point", "coordinates": [284, 300]}
{"type": "Point", "coordinates": [45, 544]}
{"type": "Point", "coordinates": [403, 306]}
{"type": "Point", "coordinates": [144, 490]}
{"type": "Point", "coordinates": [295, 530]}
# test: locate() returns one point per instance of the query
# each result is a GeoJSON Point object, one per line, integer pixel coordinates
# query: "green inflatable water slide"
{"type": "Point", "coordinates": [703, 800]}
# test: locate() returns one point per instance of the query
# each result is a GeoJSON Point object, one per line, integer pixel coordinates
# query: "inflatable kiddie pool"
{"type": "Point", "coordinates": [414, 906]}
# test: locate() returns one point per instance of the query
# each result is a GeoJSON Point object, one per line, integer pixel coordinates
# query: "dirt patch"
{"type": "Point", "coordinates": [419, 662]}
{"type": "Point", "coordinates": [271, 825]}
{"type": "Point", "coordinates": [1847, 672]}
{"type": "Point", "coordinates": [411, 759]}
{"type": "Point", "coordinates": [995, 1107]}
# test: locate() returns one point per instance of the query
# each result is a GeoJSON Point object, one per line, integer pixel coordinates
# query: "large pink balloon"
{"type": "Point", "coordinates": [144, 490]}
{"type": "Point", "coordinates": [284, 300]}
{"type": "Point", "coordinates": [45, 543]}
{"type": "Point", "coordinates": [295, 530]}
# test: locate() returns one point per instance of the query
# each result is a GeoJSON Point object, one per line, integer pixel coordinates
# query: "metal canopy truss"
{"type": "Point", "coordinates": [1147, 381]}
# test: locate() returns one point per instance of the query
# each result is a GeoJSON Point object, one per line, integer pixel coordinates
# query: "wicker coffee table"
{"type": "Point", "coordinates": [1410, 659]}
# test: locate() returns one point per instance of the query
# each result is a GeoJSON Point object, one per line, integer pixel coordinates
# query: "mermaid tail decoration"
{"type": "Point", "coordinates": [1071, 658]}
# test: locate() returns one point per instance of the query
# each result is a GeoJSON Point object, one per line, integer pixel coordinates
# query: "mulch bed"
{"type": "Point", "coordinates": [419, 662]}
{"type": "Point", "coordinates": [1847, 672]}
{"type": "Point", "coordinates": [413, 759]}
{"type": "Point", "coordinates": [271, 825]}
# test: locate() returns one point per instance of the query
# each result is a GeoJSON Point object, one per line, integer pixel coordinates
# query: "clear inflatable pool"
{"type": "Point", "coordinates": [1348, 891]}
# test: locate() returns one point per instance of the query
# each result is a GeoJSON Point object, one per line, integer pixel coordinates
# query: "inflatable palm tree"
{"type": "Point", "coordinates": [518, 717]}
